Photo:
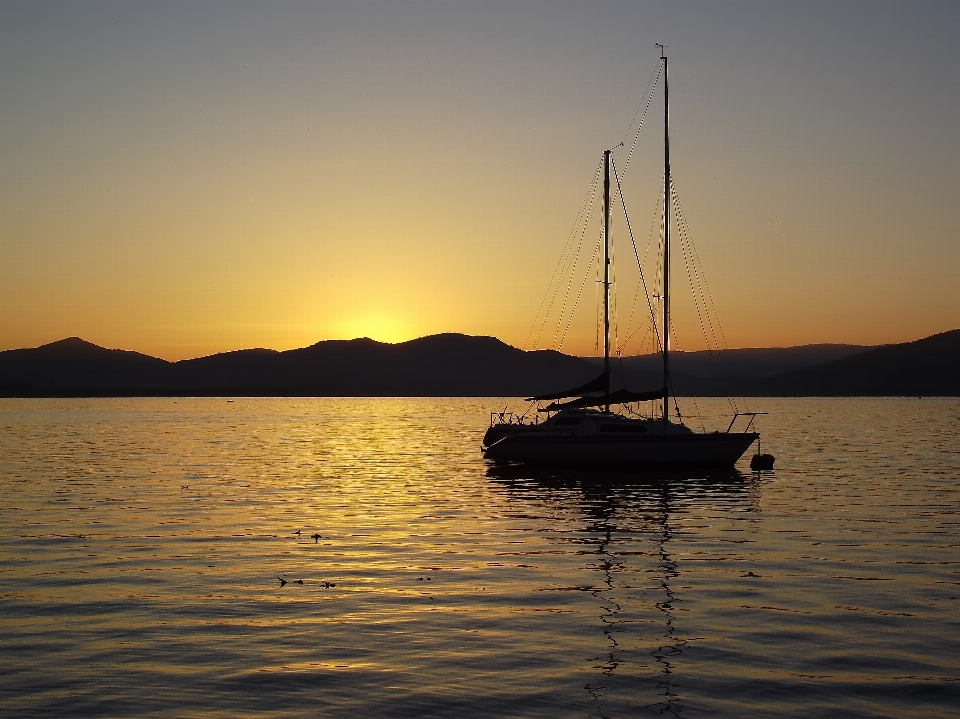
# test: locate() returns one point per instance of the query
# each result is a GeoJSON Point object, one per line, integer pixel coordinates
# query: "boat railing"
{"type": "Point", "coordinates": [505, 418]}
{"type": "Point", "coordinates": [737, 415]}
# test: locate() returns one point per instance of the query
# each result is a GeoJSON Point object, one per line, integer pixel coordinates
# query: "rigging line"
{"type": "Point", "coordinates": [649, 336]}
{"type": "Point", "coordinates": [556, 281]}
{"type": "Point", "coordinates": [570, 265]}
{"type": "Point", "coordinates": [673, 393]}
{"type": "Point", "coordinates": [577, 302]}
{"type": "Point", "coordinates": [706, 286]}
{"type": "Point", "coordinates": [613, 283]}
{"type": "Point", "coordinates": [585, 203]}
{"type": "Point", "coordinates": [636, 253]}
{"type": "Point", "coordinates": [696, 406]}
{"type": "Point", "coordinates": [566, 296]}
{"type": "Point", "coordinates": [636, 293]}
{"type": "Point", "coordinates": [648, 90]}
{"type": "Point", "coordinates": [567, 247]}
{"type": "Point", "coordinates": [633, 311]}
{"type": "Point", "coordinates": [645, 325]}
{"type": "Point", "coordinates": [709, 307]}
{"type": "Point", "coordinates": [623, 375]}
{"type": "Point", "coordinates": [646, 329]}
{"type": "Point", "coordinates": [684, 244]}
{"type": "Point", "coordinates": [597, 318]}
{"type": "Point", "coordinates": [651, 85]}
{"type": "Point", "coordinates": [696, 301]}
{"type": "Point", "coordinates": [657, 215]}
{"type": "Point", "coordinates": [573, 262]}
{"type": "Point", "coordinates": [697, 285]}
{"type": "Point", "coordinates": [661, 249]}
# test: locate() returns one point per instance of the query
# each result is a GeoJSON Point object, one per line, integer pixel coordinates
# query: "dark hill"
{"type": "Point", "coordinates": [930, 366]}
{"type": "Point", "coordinates": [460, 365]}
{"type": "Point", "coordinates": [440, 365]}
{"type": "Point", "coordinates": [74, 367]}
{"type": "Point", "coordinates": [259, 371]}
{"type": "Point", "coordinates": [724, 373]}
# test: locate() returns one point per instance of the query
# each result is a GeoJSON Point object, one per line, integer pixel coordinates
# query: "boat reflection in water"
{"type": "Point", "coordinates": [628, 530]}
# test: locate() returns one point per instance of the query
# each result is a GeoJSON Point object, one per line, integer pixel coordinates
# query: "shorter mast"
{"type": "Point", "coordinates": [606, 270]}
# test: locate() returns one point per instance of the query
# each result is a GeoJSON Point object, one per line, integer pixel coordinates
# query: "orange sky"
{"type": "Point", "coordinates": [187, 178]}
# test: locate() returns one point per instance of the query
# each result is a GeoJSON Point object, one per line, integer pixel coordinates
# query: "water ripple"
{"type": "Point", "coordinates": [144, 540]}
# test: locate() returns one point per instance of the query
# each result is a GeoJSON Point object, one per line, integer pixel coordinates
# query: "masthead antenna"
{"type": "Point", "coordinates": [663, 49]}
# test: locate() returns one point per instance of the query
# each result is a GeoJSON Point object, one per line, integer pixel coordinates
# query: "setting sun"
{"type": "Point", "coordinates": [380, 326]}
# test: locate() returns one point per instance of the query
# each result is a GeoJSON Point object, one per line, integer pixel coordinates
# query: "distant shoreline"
{"type": "Point", "coordinates": [454, 365]}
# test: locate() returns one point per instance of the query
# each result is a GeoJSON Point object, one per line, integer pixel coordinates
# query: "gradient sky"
{"type": "Point", "coordinates": [187, 178]}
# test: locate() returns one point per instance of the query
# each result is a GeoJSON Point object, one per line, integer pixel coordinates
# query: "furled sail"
{"type": "Point", "coordinates": [621, 396]}
{"type": "Point", "coordinates": [597, 384]}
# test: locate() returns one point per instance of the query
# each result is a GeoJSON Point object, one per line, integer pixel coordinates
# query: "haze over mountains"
{"type": "Point", "coordinates": [461, 365]}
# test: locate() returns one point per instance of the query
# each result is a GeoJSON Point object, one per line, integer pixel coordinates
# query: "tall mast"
{"type": "Point", "coordinates": [606, 269]}
{"type": "Point", "coordinates": [666, 239]}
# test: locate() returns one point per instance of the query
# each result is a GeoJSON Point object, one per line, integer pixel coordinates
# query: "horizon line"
{"type": "Point", "coordinates": [459, 334]}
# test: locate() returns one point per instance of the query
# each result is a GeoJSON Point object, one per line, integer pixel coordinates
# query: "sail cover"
{"type": "Point", "coordinates": [597, 384]}
{"type": "Point", "coordinates": [621, 396]}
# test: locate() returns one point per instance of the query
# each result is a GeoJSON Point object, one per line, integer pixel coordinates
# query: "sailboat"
{"type": "Point", "coordinates": [584, 429]}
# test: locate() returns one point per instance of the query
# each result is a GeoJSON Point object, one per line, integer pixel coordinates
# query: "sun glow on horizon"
{"type": "Point", "coordinates": [376, 325]}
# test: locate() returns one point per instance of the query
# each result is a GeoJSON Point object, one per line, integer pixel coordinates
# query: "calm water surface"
{"type": "Point", "coordinates": [141, 541]}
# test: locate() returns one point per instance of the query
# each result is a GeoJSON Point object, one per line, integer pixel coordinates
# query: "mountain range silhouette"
{"type": "Point", "coordinates": [462, 365]}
